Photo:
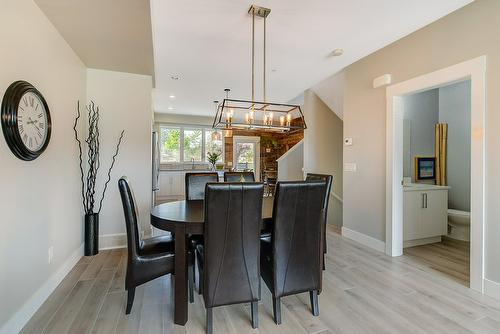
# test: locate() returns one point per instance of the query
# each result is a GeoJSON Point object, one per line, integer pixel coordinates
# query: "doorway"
{"type": "Point", "coordinates": [475, 71]}
{"type": "Point", "coordinates": [246, 154]}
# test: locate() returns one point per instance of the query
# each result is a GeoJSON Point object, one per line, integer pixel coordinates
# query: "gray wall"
{"type": "Point", "coordinates": [40, 200]}
{"type": "Point", "coordinates": [454, 109]}
{"type": "Point", "coordinates": [465, 34]}
{"type": "Point", "coordinates": [421, 112]}
{"type": "Point", "coordinates": [291, 163]}
{"type": "Point", "coordinates": [323, 140]}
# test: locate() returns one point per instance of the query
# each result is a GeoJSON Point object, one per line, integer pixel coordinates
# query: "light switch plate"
{"type": "Point", "coordinates": [350, 167]}
{"type": "Point", "coordinates": [348, 141]}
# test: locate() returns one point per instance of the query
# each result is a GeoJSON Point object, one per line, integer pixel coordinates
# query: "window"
{"type": "Point", "coordinates": [170, 139]}
{"type": "Point", "coordinates": [213, 143]}
{"type": "Point", "coordinates": [189, 144]}
{"type": "Point", "coordinates": [193, 145]}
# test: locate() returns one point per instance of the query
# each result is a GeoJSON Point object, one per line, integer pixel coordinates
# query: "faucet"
{"type": "Point", "coordinates": [192, 163]}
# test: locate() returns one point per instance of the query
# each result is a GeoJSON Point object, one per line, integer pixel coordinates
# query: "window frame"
{"type": "Point", "coordinates": [182, 128]}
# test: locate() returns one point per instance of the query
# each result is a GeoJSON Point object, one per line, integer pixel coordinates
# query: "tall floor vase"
{"type": "Point", "coordinates": [91, 234]}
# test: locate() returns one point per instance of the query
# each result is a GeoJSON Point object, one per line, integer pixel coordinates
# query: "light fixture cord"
{"type": "Point", "coordinates": [253, 55]}
{"type": "Point", "coordinates": [264, 76]}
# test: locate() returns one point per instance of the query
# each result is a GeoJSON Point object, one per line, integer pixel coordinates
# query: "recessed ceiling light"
{"type": "Point", "coordinates": [170, 108]}
{"type": "Point", "coordinates": [172, 96]}
{"type": "Point", "coordinates": [337, 52]}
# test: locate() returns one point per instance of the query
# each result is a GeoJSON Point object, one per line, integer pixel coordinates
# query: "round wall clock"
{"type": "Point", "coordinates": [26, 121]}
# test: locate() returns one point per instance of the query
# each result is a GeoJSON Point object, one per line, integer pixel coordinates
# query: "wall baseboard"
{"type": "Point", "coordinates": [112, 241]}
{"type": "Point", "coordinates": [364, 239]}
{"type": "Point", "coordinates": [492, 288]}
{"type": "Point", "coordinates": [24, 314]}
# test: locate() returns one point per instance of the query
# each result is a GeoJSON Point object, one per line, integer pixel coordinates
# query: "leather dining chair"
{"type": "Point", "coordinates": [147, 259]}
{"type": "Point", "coordinates": [229, 257]}
{"type": "Point", "coordinates": [195, 191]}
{"type": "Point", "coordinates": [195, 185]}
{"type": "Point", "coordinates": [291, 258]}
{"type": "Point", "coordinates": [329, 180]}
{"type": "Point", "coordinates": [239, 177]}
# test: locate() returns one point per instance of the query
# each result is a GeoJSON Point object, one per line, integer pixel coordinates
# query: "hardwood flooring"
{"type": "Point", "coordinates": [363, 292]}
{"type": "Point", "coordinates": [450, 257]}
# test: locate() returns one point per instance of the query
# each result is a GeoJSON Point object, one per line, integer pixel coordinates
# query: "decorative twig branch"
{"type": "Point", "coordinates": [110, 168]}
{"type": "Point", "coordinates": [89, 179]}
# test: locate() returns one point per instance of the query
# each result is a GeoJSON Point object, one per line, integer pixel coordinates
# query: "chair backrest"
{"type": "Point", "coordinates": [297, 236]}
{"type": "Point", "coordinates": [195, 184]}
{"type": "Point", "coordinates": [131, 217]}
{"type": "Point", "coordinates": [233, 218]}
{"type": "Point", "coordinates": [326, 178]}
{"type": "Point", "coordinates": [239, 177]}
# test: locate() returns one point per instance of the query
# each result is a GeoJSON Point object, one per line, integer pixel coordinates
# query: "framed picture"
{"type": "Point", "coordinates": [425, 168]}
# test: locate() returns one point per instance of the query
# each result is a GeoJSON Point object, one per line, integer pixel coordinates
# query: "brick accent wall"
{"type": "Point", "coordinates": [272, 146]}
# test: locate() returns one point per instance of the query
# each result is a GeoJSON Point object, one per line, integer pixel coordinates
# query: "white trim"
{"type": "Point", "coordinates": [24, 314]}
{"type": "Point", "coordinates": [112, 241]}
{"type": "Point", "coordinates": [492, 288]}
{"type": "Point", "coordinates": [363, 239]}
{"type": "Point", "coordinates": [294, 148]}
{"type": "Point", "coordinates": [420, 242]}
{"type": "Point", "coordinates": [475, 70]}
{"type": "Point", "coordinates": [337, 197]}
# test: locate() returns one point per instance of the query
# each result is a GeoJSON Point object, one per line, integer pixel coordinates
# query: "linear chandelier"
{"type": "Point", "coordinates": [258, 115]}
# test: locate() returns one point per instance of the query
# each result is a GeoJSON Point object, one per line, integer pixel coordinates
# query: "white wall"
{"type": "Point", "coordinates": [39, 200]}
{"type": "Point", "coordinates": [421, 111]}
{"type": "Point", "coordinates": [455, 109]}
{"type": "Point", "coordinates": [124, 100]}
{"type": "Point", "coordinates": [291, 163]}
{"type": "Point", "coordinates": [464, 34]}
{"type": "Point", "coordinates": [323, 142]}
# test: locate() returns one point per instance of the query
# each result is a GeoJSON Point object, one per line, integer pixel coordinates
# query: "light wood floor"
{"type": "Point", "coordinates": [450, 257]}
{"type": "Point", "coordinates": [363, 292]}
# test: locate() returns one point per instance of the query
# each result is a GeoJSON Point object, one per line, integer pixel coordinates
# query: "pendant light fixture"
{"type": "Point", "coordinates": [258, 115]}
{"type": "Point", "coordinates": [216, 136]}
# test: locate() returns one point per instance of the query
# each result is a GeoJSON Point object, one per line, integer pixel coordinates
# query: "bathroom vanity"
{"type": "Point", "coordinates": [425, 213]}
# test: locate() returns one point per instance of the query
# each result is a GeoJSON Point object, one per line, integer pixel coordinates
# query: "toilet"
{"type": "Point", "coordinates": [459, 225]}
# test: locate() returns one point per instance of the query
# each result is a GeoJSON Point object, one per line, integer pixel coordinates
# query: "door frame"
{"type": "Point", "coordinates": [249, 139]}
{"type": "Point", "coordinates": [475, 71]}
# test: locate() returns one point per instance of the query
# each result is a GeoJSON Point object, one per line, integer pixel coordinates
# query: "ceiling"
{"type": "Point", "coordinates": [207, 44]}
{"type": "Point", "coordinates": [106, 34]}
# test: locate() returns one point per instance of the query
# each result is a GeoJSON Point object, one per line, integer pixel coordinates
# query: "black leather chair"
{"type": "Point", "coordinates": [239, 177]}
{"type": "Point", "coordinates": [147, 259]}
{"type": "Point", "coordinates": [291, 258]}
{"type": "Point", "coordinates": [229, 257]}
{"type": "Point", "coordinates": [329, 180]}
{"type": "Point", "coordinates": [195, 185]}
{"type": "Point", "coordinates": [195, 191]}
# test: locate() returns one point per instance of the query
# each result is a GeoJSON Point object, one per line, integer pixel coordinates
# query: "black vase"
{"type": "Point", "coordinates": [91, 234]}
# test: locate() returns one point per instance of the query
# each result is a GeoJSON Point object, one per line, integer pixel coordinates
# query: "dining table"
{"type": "Point", "coordinates": [182, 219]}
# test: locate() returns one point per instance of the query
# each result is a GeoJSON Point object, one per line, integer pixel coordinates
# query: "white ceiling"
{"type": "Point", "coordinates": [207, 44]}
{"type": "Point", "coordinates": [106, 34]}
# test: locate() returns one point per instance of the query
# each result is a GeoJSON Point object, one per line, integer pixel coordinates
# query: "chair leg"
{"type": "Point", "coordinates": [313, 295]}
{"type": "Point", "coordinates": [277, 310]}
{"type": "Point", "coordinates": [191, 283]}
{"type": "Point", "coordinates": [210, 321]}
{"type": "Point", "coordinates": [255, 314]}
{"type": "Point", "coordinates": [130, 300]}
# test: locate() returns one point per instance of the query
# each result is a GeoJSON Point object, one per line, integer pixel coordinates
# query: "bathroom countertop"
{"type": "Point", "coordinates": [423, 187]}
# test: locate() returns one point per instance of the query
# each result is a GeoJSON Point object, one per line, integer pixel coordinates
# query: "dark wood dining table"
{"type": "Point", "coordinates": [184, 218]}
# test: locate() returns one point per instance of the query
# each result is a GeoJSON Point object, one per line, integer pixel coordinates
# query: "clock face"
{"type": "Point", "coordinates": [32, 121]}
{"type": "Point", "coordinates": [25, 120]}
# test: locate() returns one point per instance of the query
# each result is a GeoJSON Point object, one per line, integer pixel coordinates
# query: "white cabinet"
{"type": "Point", "coordinates": [171, 185]}
{"type": "Point", "coordinates": [425, 214]}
